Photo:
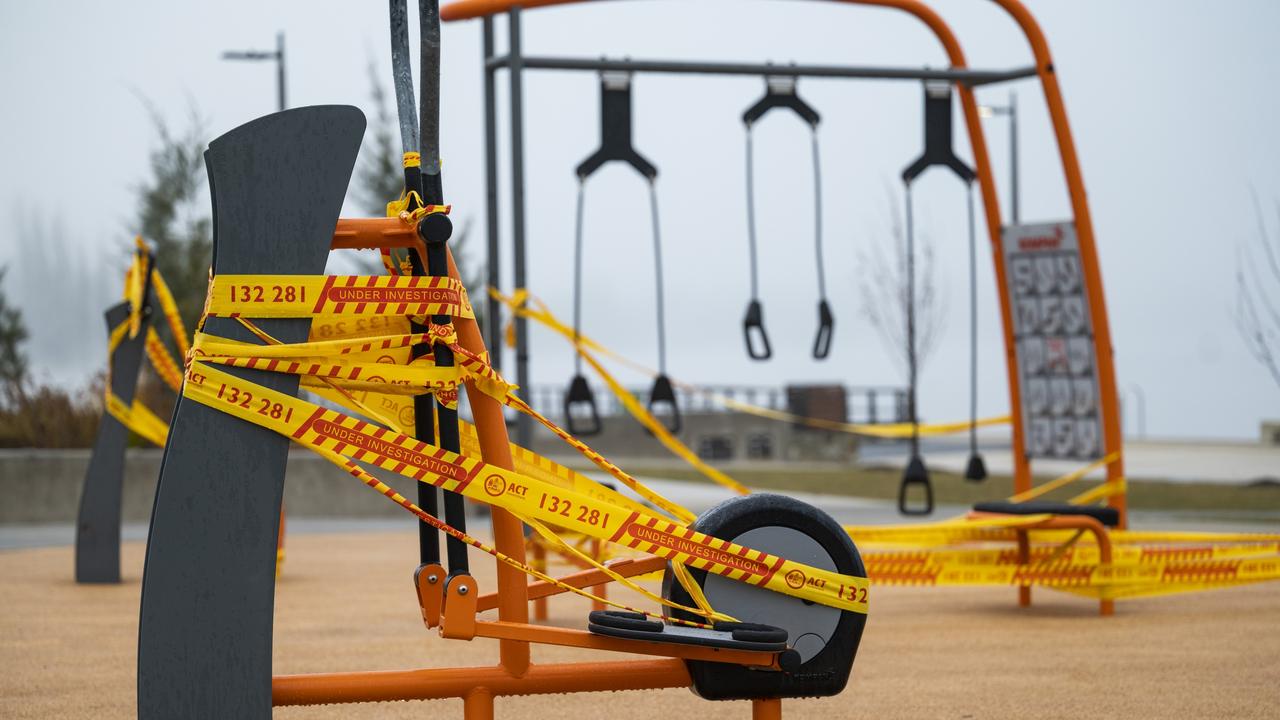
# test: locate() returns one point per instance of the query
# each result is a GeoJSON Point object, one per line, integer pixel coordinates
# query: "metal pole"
{"type": "Point", "coordinates": [515, 67]}
{"type": "Point", "coordinates": [911, 330]}
{"type": "Point", "coordinates": [1013, 154]}
{"type": "Point", "coordinates": [1141, 408]}
{"type": "Point", "coordinates": [966, 76]}
{"type": "Point", "coordinates": [280, 92]}
{"type": "Point", "coordinates": [494, 276]}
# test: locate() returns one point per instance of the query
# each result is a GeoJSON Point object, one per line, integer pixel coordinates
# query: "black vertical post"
{"type": "Point", "coordinates": [515, 68]}
{"type": "Point", "coordinates": [493, 270]}
{"type": "Point", "coordinates": [1013, 157]}
{"type": "Point", "coordinates": [280, 71]}
{"type": "Point", "coordinates": [911, 332]}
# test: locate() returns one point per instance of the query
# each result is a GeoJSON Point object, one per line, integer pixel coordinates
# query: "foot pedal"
{"type": "Point", "coordinates": [726, 635]}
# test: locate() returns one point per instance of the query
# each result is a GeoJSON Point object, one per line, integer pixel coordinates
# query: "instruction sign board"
{"type": "Point", "coordinates": [1053, 331]}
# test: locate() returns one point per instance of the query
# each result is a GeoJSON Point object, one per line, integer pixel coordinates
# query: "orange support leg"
{"type": "Point", "coordinates": [1024, 557]}
{"type": "Point", "coordinates": [766, 709]}
{"type": "Point", "coordinates": [478, 705]}
{"type": "Point", "coordinates": [538, 559]}
{"type": "Point", "coordinates": [601, 591]}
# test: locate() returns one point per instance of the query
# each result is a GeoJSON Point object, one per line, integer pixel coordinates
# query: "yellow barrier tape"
{"type": "Point", "coordinates": [519, 305]}
{"type": "Point", "coordinates": [302, 296]}
{"type": "Point", "coordinates": [335, 434]}
{"type": "Point", "coordinates": [138, 418]}
{"type": "Point", "coordinates": [1067, 479]}
{"type": "Point", "coordinates": [653, 425]}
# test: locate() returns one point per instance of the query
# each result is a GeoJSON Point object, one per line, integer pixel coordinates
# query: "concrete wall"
{"type": "Point", "coordinates": [624, 437]}
{"type": "Point", "coordinates": [43, 486]}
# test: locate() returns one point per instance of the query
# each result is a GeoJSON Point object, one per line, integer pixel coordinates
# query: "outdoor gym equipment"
{"type": "Point", "coordinates": [616, 146]}
{"type": "Point", "coordinates": [129, 333]}
{"type": "Point", "coordinates": [937, 152]}
{"type": "Point", "coordinates": [780, 92]}
{"type": "Point", "coordinates": [1057, 545]}
{"type": "Point", "coordinates": [131, 336]}
{"type": "Point", "coordinates": [205, 631]}
{"type": "Point", "coordinates": [1098, 429]}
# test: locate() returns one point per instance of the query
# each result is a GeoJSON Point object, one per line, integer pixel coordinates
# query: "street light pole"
{"type": "Point", "coordinates": [1011, 111]}
{"type": "Point", "coordinates": [1013, 140]}
{"type": "Point", "coordinates": [277, 55]}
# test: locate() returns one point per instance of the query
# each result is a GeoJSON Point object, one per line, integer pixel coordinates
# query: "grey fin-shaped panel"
{"type": "Point", "coordinates": [98, 520]}
{"type": "Point", "coordinates": [204, 640]}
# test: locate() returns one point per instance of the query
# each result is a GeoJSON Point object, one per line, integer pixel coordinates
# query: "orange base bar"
{"type": "Point", "coordinates": [436, 683]}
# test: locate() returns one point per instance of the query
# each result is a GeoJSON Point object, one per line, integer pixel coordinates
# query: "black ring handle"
{"type": "Point", "coordinates": [915, 474]}
{"type": "Point", "coordinates": [581, 396]}
{"type": "Point", "coordinates": [826, 327]}
{"type": "Point", "coordinates": [752, 327]}
{"type": "Point", "coordinates": [663, 395]}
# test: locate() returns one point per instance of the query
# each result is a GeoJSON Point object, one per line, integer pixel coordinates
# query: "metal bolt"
{"type": "Point", "coordinates": [433, 578]}
{"type": "Point", "coordinates": [463, 590]}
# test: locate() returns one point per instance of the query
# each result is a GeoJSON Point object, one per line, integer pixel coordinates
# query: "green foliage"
{"type": "Point", "coordinates": [41, 416]}
{"type": "Point", "coordinates": [380, 174]}
{"type": "Point", "coordinates": [13, 332]}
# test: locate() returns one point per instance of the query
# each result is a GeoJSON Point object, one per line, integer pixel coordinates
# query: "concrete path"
{"type": "Point", "coordinates": [1170, 460]}
{"type": "Point", "coordinates": [698, 497]}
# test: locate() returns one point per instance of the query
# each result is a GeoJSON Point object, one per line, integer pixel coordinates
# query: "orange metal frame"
{"type": "Point", "coordinates": [1058, 522]}
{"type": "Point", "coordinates": [515, 674]}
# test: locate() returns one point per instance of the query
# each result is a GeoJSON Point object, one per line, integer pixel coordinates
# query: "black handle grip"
{"type": "Point", "coordinates": [915, 474]}
{"type": "Point", "coordinates": [580, 398]}
{"type": "Point", "coordinates": [826, 326]}
{"type": "Point", "coordinates": [752, 327]}
{"type": "Point", "coordinates": [976, 469]}
{"type": "Point", "coordinates": [663, 405]}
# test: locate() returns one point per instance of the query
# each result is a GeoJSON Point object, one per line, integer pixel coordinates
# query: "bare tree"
{"type": "Point", "coordinates": [173, 211]}
{"type": "Point", "coordinates": [1257, 310]}
{"type": "Point", "coordinates": [885, 297]}
{"type": "Point", "coordinates": [379, 176]}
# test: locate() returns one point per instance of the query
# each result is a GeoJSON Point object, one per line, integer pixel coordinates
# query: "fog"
{"type": "Point", "coordinates": [1172, 105]}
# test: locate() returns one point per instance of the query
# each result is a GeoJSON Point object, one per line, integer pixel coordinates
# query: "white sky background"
{"type": "Point", "coordinates": [1173, 106]}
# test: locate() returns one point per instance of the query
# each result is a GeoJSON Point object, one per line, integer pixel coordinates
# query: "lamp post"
{"type": "Point", "coordinates": [277, 55]}
{"type": "Point", "coordinates": [1141, 407]}
{"type": "Point", "coordinates": [1010, 110]}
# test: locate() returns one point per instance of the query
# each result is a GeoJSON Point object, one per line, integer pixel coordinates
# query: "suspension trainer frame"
{"type": "Point", "coordinates": [515, 63]}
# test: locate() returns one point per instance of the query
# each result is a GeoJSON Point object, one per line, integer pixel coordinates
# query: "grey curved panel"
{"type": "Point", "coordinates": [204, 641]}
{"type": "Point", "coordinates": [98, 520]}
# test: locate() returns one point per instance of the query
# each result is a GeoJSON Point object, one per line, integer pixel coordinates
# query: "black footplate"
{"type": "Point", "coordinates": [725, 635]}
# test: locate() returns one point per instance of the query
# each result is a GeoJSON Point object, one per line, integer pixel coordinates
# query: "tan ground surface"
{"type": "Point", "coordinates": [68, 651]}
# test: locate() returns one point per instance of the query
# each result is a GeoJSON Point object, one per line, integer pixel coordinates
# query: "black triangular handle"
{"type": "Point", "coordinates": [826, 328]}
{"type": "Point", "coordinates": [915, 474]}
{"type": "Point", "coordinates": [580, 397]}
{"type": "Point", "coordinates": [753, 330]}
{"type": "Point", "coordinates": [663, 404]}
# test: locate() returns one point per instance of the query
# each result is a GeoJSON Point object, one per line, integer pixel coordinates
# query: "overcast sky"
{"type": "Point", "coordinates": [1173, 105]}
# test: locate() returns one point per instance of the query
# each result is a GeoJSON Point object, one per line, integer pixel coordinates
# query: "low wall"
{"type": "Point", "coordinates": [43, 486]}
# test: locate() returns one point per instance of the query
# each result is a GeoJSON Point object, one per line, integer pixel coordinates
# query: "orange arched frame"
{"type": "Point", "coordinates": [1108, 396]}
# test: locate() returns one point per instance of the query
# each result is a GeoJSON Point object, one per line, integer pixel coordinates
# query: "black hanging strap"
{"type": "Point", "coordinates": [780, 92]}
{"type": "Point", "coordinates": [976, 469]}
{"type": "Point", "coordinates": [435, 231]}
{"type": "Point", "coordinates": [581, 413]}
{"type": "Point", "coordinates": [937, 136]}
{"type": "Point", "coordinates": [938, 150]}
{"type": "Point", "coordinates": [615, 129]}
{"type": "Point", "coordinates": [423, 405]}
